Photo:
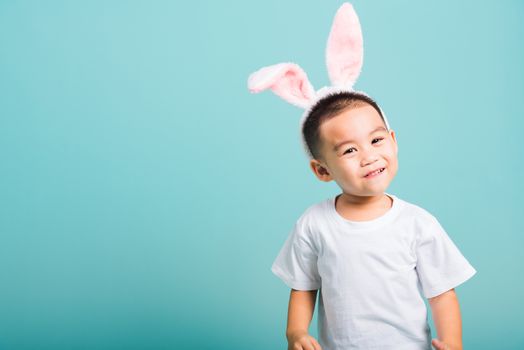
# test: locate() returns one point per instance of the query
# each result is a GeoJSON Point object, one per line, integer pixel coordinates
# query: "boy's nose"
{"type": "Point", "coordinates": [368, 157]}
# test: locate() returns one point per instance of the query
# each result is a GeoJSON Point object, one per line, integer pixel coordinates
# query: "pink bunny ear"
{"type": "Point", "coordinates": [344, 52]}
{"type": "Point", "coordinates": [287, 80]}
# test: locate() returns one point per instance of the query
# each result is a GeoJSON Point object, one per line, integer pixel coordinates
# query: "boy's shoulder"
{"type": "Point", "coordinates": [312, 222]}
{"type": "Point", "coordinates": [316, 211]}
{"type": "Point", "coordinates": [415, 210]}
{"type": "Point", "coordinates": [314, 215]}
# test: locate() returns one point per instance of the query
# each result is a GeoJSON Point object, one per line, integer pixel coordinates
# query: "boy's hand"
{"type": "Point", "coordinates": [440, 345]}
{"type": "Point", "coordinates": [303, 341]}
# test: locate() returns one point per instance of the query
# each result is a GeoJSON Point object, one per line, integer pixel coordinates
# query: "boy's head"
{"type": "Point", "coordinates": [347, 137]}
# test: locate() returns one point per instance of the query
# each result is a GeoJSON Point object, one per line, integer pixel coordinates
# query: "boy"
{"type": "Point", "coordinates": [371, 255]}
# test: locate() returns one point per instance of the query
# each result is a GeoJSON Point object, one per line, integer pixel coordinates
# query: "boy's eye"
{"type": "Point", "coordinates": [378, 139]}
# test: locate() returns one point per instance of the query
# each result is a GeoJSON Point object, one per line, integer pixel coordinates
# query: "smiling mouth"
{"type": "Point", "coordinates": [376, 172]}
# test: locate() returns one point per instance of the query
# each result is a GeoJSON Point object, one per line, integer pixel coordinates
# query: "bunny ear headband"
{"type": "Point", "coordinates": [344, 54]}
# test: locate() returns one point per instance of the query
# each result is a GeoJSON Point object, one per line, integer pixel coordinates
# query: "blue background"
{"type": "Point", "coordinates": [145, 193]}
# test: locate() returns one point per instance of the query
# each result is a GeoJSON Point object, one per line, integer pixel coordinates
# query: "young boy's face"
{"type": "Point", "coordinates": [370, 147]}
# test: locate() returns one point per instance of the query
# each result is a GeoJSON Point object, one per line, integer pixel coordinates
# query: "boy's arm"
{"type": "Point", "coordinates": [446, 316]}
{"type": "Point", "coordinates": [300, 312]}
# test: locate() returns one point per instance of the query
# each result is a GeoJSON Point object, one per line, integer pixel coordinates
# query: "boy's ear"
{"type": "Point", "coordinates": [392, 133]}
{"type": "Point", "coordinates": [320, 171]}
{"type": "Point", "coordinates": [393, 136]}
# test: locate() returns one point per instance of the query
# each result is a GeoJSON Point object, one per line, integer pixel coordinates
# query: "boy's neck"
{"type": "Point", "coordinates": [362, 208]}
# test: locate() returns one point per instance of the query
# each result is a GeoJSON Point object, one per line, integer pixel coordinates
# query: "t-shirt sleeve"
{"type": "Point", "coordinates": [440, 264]}
{"type": "Point", "coordinates": [296, 263]}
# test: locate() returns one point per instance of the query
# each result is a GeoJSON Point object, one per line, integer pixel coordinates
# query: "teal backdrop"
{"type": "Point", "coordinates": [145, 192]}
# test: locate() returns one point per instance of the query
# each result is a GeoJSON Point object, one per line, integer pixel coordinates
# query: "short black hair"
{"type": "Point", "coordinates": [327, 108]}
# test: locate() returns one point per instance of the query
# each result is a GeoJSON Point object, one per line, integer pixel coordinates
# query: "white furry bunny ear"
{"type": "Point", "coordinates": [344, 51]}
{"type": "Point", "coordinates": [286, 80]}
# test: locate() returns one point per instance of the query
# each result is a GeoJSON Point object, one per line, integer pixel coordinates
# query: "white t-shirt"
{"type": "Point", "coordinates": [372, 275]}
